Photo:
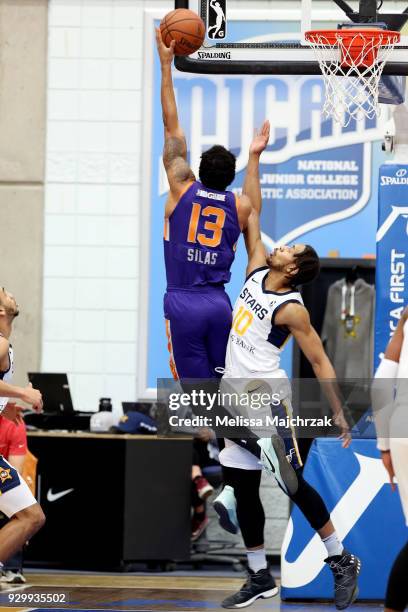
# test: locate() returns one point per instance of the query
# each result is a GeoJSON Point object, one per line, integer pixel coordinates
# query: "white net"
{"type": "Point", "coordinates": [352, 73]}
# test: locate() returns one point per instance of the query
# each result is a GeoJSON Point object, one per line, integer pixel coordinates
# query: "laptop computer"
{"type": "Point", "coordinates": [58, 411]}
{"type": "Point", "coordinates": [54, 389]}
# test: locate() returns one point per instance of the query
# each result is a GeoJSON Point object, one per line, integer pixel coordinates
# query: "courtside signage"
{"type": "Point", "coordinates": [392, 254]}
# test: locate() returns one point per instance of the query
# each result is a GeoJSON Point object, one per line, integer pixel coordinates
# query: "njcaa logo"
{"type": "Point", "coordinates": [400, 178]}
{"type": "Point", "coordinates": [217, 21]}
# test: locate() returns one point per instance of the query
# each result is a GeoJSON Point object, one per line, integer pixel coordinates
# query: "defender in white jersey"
{"type": "Point", "coordinates": [390, 405]}
{"type": "Point", "coordinates": [16, 500]}
{"type": "Point", "coordinates": [268, 310]}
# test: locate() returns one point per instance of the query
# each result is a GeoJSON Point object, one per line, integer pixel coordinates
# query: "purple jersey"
{"type": "Point", "coordinates": [200, 238]}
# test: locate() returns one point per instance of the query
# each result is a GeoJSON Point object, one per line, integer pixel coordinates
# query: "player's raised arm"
{"type": "Point", "coordinates": [253, 242]}
{"type": "Point", "coordinates": [252, 190]}
{"type": "Point", "coordinates": [252, 187]}
{"type": "Point", "coordinates": [175, 148]}
{"type": "Point", "coordinates": [296, 318]}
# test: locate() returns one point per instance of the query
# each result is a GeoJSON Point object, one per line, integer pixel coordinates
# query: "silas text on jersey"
{"type": "Point", "coordinates": [202, 257]}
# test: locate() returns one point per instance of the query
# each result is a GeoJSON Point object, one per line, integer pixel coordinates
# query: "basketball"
{"type": "Point", "coordinates": [186, 28]}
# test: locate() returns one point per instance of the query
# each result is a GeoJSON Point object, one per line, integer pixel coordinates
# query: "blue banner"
{"type": "Point", "coordinates": [366, 514]}
{"type": "Point", "coordinates": [392, 253]}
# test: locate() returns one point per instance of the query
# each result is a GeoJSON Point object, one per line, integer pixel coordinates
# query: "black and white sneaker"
{"type": "Point", "coordinates": [346, 568]}
{"type": "Point", "coordinates": [259, 584]}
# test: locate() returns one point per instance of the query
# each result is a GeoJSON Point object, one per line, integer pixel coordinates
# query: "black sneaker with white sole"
{"type": "Point", "coordinates": [258, 585]}
{"type": "Point", "coordinates": [346, 568]}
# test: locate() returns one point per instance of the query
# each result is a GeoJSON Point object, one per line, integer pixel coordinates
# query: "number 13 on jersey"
{"type": "Point", "coordinates": [213, 227]}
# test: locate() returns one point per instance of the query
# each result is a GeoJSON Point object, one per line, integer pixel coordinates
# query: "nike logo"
{"type": "Point", "coordinates": [52, 497]}
{"type": "Point", "coordinates": [255, 281]}
{"type": "Point", "coordinates": [265, 456]}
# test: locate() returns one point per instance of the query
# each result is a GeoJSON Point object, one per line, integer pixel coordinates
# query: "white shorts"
{"type": "Point", "coordinates": [236, 456]}
{"type": "Point", "coordinates": [19, 497]}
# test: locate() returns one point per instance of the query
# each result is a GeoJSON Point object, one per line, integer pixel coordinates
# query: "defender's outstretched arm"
{"type": "Point", "coordinates": [296, 318]}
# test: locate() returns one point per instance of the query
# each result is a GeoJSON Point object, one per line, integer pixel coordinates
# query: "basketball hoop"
{"type": "Point", "coordinates": [352, 73]}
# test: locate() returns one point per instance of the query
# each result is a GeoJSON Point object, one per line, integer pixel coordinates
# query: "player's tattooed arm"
{"type": "Point", "coordinates": [175, 147]}
{"type": "Point", "coordinates": [296, 318]}
{"type": "Point", "coordinates": [253, 242]}
{"type": "Point", "coordinates": [174, 160]}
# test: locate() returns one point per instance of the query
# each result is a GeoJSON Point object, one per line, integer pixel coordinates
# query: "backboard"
{"type": "Point", "coordinates": [282, 49]}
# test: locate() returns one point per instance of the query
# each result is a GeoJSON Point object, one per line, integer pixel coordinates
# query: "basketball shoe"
{"type": "Point", "coordinates": [259, 584]}
{"type": "Point", "coordinates": [225, 506]}
{"type": "Point", "coordinates": [275, 462]}
{"type": "Point", "coordinates": [203, 487]}
{"type": "Point", "coordinates": [12, 577]}
{"type": "Point", "coordinates": [199, 523]}
{"type": "Point", "coordinates": [346, 568]}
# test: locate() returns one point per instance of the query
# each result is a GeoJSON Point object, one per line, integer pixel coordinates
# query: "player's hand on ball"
{"type": "Point", "coordinates": [260, 139]}
{"type": "Point", "coordinates": [166, 54]}
{"type": "Point", "coordinates": [12, 412]}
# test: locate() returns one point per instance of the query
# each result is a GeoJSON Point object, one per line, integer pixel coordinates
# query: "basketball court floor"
{"type": "Point", "coordinates": [144, 593]}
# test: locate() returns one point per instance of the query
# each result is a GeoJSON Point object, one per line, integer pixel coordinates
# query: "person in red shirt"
{"type": "Point", "coordinates": [13, 442]}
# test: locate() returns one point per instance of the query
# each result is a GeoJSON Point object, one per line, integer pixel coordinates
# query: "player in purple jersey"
{"type": "Point", "coordinates": [203, 222]}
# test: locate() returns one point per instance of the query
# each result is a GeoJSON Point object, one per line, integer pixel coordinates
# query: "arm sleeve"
{"type": "Point", "coordinates": [382, 398]}
{"type": "Point", "coordinates": [18, 440]}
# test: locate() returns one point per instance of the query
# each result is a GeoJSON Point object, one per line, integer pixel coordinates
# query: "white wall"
{"type": "Point", "coordinates": [93, 197]}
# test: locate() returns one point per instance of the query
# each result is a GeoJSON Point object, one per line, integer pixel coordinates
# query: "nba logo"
{"type": "Point", "coordinates": [217, 21]}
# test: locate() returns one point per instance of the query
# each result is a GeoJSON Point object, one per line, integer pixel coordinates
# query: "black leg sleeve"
{"type": "Point", "coordinates": [250, 512]}
{"type": "Point", "coordinates": [310, 503]}
{"type": "Point", "coordinates": [397, 589]}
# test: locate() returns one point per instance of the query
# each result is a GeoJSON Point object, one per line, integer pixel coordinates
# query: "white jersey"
{"type": "Point", "coordinates": [7, 376]}
{"type": "Point", "coordinates": [255, 343]}
{"type": "Point", "coordinates": [254, 348]}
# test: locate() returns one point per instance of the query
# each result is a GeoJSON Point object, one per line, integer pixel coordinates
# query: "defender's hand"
{"type": "Point", "coordinates": [12, 412]}
{"type": "Point", "coordinates": [260, 139]}
{"type": "Point", "coordinates": [166, 54]}
{"type": "Point", "coordinates": [387, 462]}
{"type": "Point", "coordinates": [33, 397]}
{"type": "Point", "coordinates": [342, 424]}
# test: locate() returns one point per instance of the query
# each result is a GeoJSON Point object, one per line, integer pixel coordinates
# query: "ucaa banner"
{"type": "Point", "coordinates": [316, 176]}
{"type": "Point", "coordinates": [392, 253]}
